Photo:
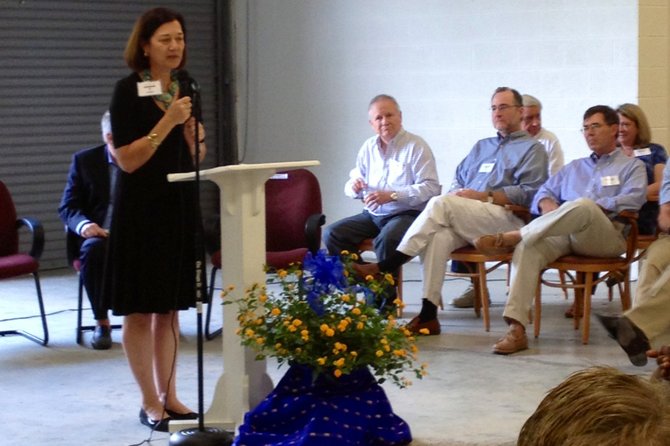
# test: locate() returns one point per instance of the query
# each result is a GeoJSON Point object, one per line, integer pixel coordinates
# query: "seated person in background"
{"type": "Point", "coordinates": [531, 121]}
{"type": "Point", "coordinates": [505, 169]}
{"type": "Point", "coordinates": [395, 175]}
{"type": "Point", "coordinates": [85, 210]}
{"type": "Point", "coordinates": [577, 206]}
{"type": "Point", "coordinates": [601, 406]}
{"type": "Point", "coordinates": [649, 317]}
{"type": "Point", "coordinates": [635, 141]}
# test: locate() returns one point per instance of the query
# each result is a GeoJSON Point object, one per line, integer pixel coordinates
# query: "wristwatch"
{"type": "Point", "coordinates": [394, 196]}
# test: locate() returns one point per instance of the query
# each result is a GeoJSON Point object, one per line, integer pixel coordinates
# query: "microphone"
{"type": "Point", "coordinates": [189, 87]}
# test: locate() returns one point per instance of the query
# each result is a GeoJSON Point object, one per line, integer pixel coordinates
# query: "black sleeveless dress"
{"type": "Point", "coordinates": [151, 254]}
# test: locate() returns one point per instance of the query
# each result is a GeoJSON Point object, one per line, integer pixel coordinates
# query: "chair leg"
{"type": "Point", "coordinates": [537, 317]}
{"type": "Point", "coordinates": [483, 295]}
{"type": "Point", "coordinates": [561, 276]}
{"type": "Point", "coordinates": [625, 294]}
{"type": "Point", "coordinates": [580, 293]}
{"type": "Point", "coordinates": [44, 340]}
{"type": "Point", "coordinates": [399, 292]}
{"type": "Point", "coordinates": [80, 304]}
{"type": "Point", "coordinates": [587, 308]}
{"type": "Point", "coordinates": [211, 335]}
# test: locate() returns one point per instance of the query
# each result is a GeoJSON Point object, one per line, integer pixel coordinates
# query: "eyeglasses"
{"type": "Point", "coordinates": [595, 126]}
{"type": "Point", "coordinates": [502, 107]}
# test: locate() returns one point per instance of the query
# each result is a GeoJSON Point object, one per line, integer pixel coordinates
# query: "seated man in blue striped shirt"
{"type": "Point", "coordinates": [577, 207]}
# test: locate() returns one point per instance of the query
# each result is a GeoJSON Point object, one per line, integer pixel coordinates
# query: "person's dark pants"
{"type": "Point", "coordinates": [387, 232]}
{"type": "Point", "coordinates": [92, 256]}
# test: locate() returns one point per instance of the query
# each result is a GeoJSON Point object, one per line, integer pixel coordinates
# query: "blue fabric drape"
{"type": "Point", "coordinates": [346, 411]}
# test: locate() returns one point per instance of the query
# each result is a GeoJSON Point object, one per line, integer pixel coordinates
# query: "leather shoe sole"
{"type": "Point", "coordinates": [493, 245]}
{"type": "Point", "coordinates": [429, 328]}
{"type": "Point", "coordinates": [511, 343]}
{"type": "Point", "coordinates": [631, 339]}
{"type": "Point", "coordinates": [181, 416]}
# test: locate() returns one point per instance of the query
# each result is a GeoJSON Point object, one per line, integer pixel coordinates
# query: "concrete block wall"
{"type": "Point", "coordinates": [308, 68]}
{"type": "Point", "coordinates": [654, 66]}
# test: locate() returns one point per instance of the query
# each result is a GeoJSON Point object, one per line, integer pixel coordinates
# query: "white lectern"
{"type": "Point", "coordinates": [244, 382]}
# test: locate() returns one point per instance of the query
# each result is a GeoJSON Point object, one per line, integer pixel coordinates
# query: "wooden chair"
{"type": "Point", "coordinates": [367, 245]}
{"type": "Point", "coordinates": [470, 256]}
{"type": "Point", "coordinates": [583, 280]}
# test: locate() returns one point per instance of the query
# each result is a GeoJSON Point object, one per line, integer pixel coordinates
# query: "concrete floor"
{"type": "Point", "coordinates": [66, 394]}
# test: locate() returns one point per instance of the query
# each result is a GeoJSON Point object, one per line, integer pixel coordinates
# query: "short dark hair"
{"type": "Point", "coordinates": [610, 115]}
{"type": "Point", "coordinates": [518, 100]}
{"type": "Point", "coordinates": [144, 28]}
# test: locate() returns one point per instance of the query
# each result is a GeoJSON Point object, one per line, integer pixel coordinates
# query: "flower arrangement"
{"type": "Point", "coordinates": [324, 317]}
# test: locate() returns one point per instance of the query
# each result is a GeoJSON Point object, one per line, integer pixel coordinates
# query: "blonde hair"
{"type": "Point", "coordinates": [635, 114]}
{"type": "Point", "coordinates": [601, 406]}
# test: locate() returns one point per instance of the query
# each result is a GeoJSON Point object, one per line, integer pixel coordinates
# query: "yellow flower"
{"type": "Point", "coordinates": [337, 373]}
{"type": "Point", "coordinates": [305, 333]}
{"type": "Point", "coordinates": [344, 252]}
{"type": "Point", "coordinates": [354, 354]}
{"type": "Point", "coordinates": [356, 311]}
{"type": "Point", "coordinates": [292, 328]}
{"type": "Point", "coordinates": [324, 327]}
{"type": "Point", "coordinates": [399, 352]}
{"type": "Point", "coordinates": [278, 346]}
{"type": "Point", "coordinates": [282, 273]}
{"type": "Point", "coordinates": [297, 322]}
{"type": "Point", "coordinates": [414, 348]}
{"type": "Point", "coordinates": [263, 298]}
{"type": "Point", "coordinates": [369, 278]}
{"type": "Point", "coordinates": [346, 298]}
{"type": "Point", "coordinates": [389, 278]}
{"type": "Point", "coordinates": [321, 361]}
{"type": "Point", "coordinates": [330, 332]}
{"type": "Point", "coordinates": [275, 311]}
{"type": "Point", "coordinates": [249, 332]}
{"type": "Point", "coordinates": [339, 362]}
{"type": "Point", "coordinates": [259, 321]}
{"type": "Point", "coordinates": [298, 351]}
{"type": "Point", "coordinates": [360, 326]}
{"type": "Point", "coordinates": [260, 340]}
{"type": "Point", "coordinates": [354, 256]}
{"type": "Point", "coordinates": [384, 341]}
{"type": "Point", "coordinates": [379, 353]}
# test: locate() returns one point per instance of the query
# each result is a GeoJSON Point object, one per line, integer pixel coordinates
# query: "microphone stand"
{"type": "Point", "coordinates": [200, 436]}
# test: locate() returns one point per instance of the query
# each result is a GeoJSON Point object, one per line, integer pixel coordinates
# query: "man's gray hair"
{"type": "Point", "coordinates": [383, 97]}
{"type": "Point", "coordinates": [106, 125]}
{"type": "Point", "coordinates": [531, 101]}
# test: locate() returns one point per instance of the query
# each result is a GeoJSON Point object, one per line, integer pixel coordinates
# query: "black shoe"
{"type": "Point", "coordinates": [102, 338]}
{"type": "Point", "coordinates": [156, 425]}
{"type": "Point", "coordinates": [181, 416]}
{"type": "Point", "coordinates": [631, 339]}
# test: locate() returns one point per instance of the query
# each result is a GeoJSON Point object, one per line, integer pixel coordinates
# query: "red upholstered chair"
{"type": "Point", "coordinates": [293, 220]}
{"type": "Point", "coordinates": [15, 264]}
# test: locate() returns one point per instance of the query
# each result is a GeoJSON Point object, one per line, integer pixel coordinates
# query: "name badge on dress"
{"type": "Point", "coordinates": [486, 167]}
{"type": "Point", "coordinates": [149, 88]}
{"type": "Point", "coordinates": [610, 180]}
{"type": "Point", "coordinates": [642, 152]}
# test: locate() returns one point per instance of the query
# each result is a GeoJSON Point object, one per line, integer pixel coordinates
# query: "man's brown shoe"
{"type": "Point", "coordinates": [428, 328]}
{"type": "Point", "coordinates": [514, 341]}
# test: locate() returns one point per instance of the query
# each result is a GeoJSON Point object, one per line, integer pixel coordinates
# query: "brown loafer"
{"type": "Point", "coordinates": [493, 245]}
{"type": "Point", "coordinates": [514, 341]}
{"type": "Point", "coordinates": [428, 328]}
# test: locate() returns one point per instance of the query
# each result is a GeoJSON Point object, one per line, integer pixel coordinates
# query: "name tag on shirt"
{"type": "Point", "coordinates": [610, 180]}
{"type": "Point", "coordinates": [642, 152]}
{"type": "Point", "coordinates": [149, 88]}
{"type": "Point", "coordinates": [486, 167]}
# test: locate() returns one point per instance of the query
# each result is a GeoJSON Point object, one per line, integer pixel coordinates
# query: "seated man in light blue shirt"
{"type": "Point", "coordinates": [577, 207]}
{"type": "Point", "coordinates": [395, 176]}
{"type": "Point", "coordinates": [505, 169]}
